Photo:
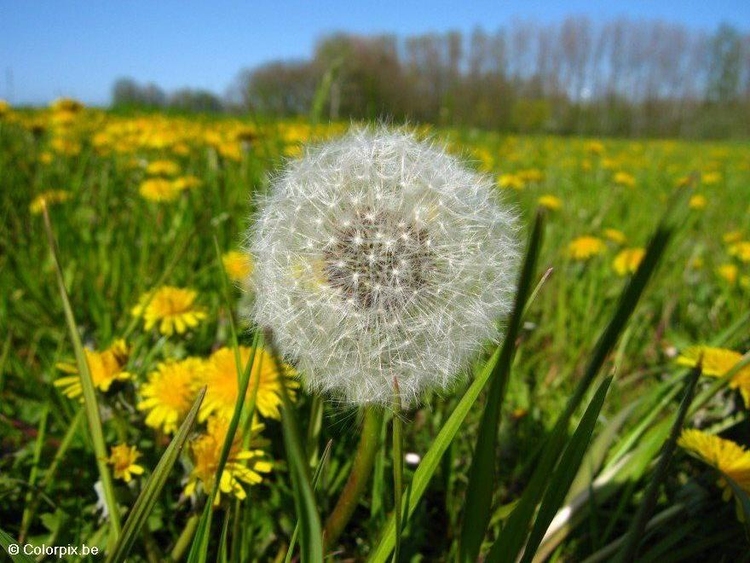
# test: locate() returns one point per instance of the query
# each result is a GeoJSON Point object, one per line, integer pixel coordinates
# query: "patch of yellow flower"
{"type": "Point", "coordinates": [728, 272]}
{"type": "Point", "coordinates": [551, 202]}
{"type": "Point", "coordinates": [717, 362]}
{"type": "Point", "coordinates": [105, 368]}
{"type": "Point", "coordinates": [615, 236]}
{"type": "Point", "coordinates": [697, 202]}
{"type": "Point", "coordinates": [242, 465]}
{"type": "Point", "coordinates": [729, 458]}
{"type": "Point", "coordinates": [220, 374]}
{"type": "Point", "coordinates": [123, 460]}
{"type": "Point", "coordinates": [585, 247]}
{"type": "Point", "coordinates": [169, 393]}
{"type": "Point", "coordinates": [627, 261]}
{"type": "Point", "coordinates": [46, 199]}
{"type": "Point", "coordinates": [173, 308]}
{"type": "Point", "coordinates": [624, 179]}
{"type": "Point", "coordinates": [237, 265]}
{"type": "Point", "coordinates": [740, 250]}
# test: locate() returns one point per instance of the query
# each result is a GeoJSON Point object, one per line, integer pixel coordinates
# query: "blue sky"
{"type": "Point", "coordinates": [59, 48]}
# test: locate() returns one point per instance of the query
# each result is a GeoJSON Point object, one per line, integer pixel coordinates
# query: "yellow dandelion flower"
{"type": "Point", "coordinates": [46, 199]}
{"type": "Point", "coordinates": [731, 459]}
{"type": "Point", "coordinates": [710, 178]}
{"type": "Point", "coordinates": [122, 458]}
{"type": "Point", "coordinates": [594, 147]}
{"type": "Point", "coordinates": [105, 367]}
{"type": "Point", "coordinates": [728, 272]}
{"type": "Point", "coordinates": [624, 179]}
{"type": "Point", "coordinates": [185, 183]}
{"type": "Point", "coordinates": [242, 466]}
{"type": "Point", "coordinates": [220, 375]}
{"type": "Point", "coordinates": [238, 265]}
{"type": "Point", "coordinates": [583, 248]}
{"type": "Point", "coordinates": [551, 202]}
{"type": "Point", "coordinates": [65, 146]}
{"type": "Point", "coordinates": [732, 237]}
{"type": "Point", "coordinates": [511, 181]}
{"type": "Point", "coordinates": [627, 261]}
{"type": "Point", "coordinates": [172, 307]}
{"type": "Point", "coordinates": [698, 201]}
{"type": "Point", "coordinates": [158, 189]}
{"type": "Point", "coordinates": [4, 108]}
{"type": "Point", "coordinates": [717, 362]}
{"type": "Point", "coordinates": [66, 105]}
{"type": "Point", "coordinates": [615, 236]}
{"type": "Point", "coordinates": [695, 263]}
{"type": "Point", "coordinates": [162, 168]}
{"type": "Point", "coordinates": [741, 250]}
{"type": "Point", "coordinates": [531, 176]}
{"type": "Point", "coordinates": [170, 392]}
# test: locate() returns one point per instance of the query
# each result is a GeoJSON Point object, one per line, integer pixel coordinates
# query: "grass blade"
{"type": "Point", "coordinates": [432, 459]}
{"type": "Point", "coordinates": [512, 538]}
{"type": "Point", "coordinates": [150, 493]}
{"type": "Point", "coordinates": [478, 504]}
{"type": "Point", "coordinates": [566, 471]}
{"type": "Point", "coordinates": [6, 542]}
{"type": "Point", "coordinates": [635, 534]}
{"type": "Point", "coordinates": [89, 393]}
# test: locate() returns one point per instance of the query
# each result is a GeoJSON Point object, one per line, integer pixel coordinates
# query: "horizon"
{"type": "Point", "coordinates": [62, 50]}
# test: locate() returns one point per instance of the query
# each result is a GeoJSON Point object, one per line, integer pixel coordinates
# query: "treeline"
{"type": "Point", "coordinates": [624, 78]}
{"type": "Point", "coordinates": [129, 94]}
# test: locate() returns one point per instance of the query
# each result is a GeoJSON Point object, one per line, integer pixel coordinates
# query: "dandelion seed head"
{"type": "Point", "coordinates": [379, 257]}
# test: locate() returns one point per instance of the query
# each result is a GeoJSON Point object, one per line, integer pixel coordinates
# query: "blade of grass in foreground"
{"type": "Point", "coordinates": [89, 393]}
{"type": "Point", "coordinates": [566, 470]}
{"type": "Point", "coordinates": [479, 492]}
{"type": "Point", "coordinates": [513, 535]}
{"type": "Point", "coordinates": [635, 533]}
{"type": "Point", "coordinates": [6, 541]}
{"type": "Point", "coordinates": [150, 493]}
{"type": "Point", "coordinates": [432, 459]}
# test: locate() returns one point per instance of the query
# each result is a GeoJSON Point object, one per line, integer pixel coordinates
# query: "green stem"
{"type": "Point", "coordinates": [398, 467]}
{"type": "Point", "coordinates": [364, 459]}
{"type": "Point", "coordinates": [183, 542]}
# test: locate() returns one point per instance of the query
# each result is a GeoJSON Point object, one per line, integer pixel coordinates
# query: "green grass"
{"type": "Point", "coordinates": [575, 414]}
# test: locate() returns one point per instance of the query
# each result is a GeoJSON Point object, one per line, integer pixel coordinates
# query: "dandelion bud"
{"type": "Point", "coordinates": [378, 257]}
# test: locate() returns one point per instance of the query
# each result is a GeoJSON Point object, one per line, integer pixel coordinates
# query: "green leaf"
{"type": "Point", "coordinates": [150, 493]}
{"type": "Point", "coordinates": [478, 504]}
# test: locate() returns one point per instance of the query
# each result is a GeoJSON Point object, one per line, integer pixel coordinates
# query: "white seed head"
{"type": "Point", "coordinates": [381, 258]}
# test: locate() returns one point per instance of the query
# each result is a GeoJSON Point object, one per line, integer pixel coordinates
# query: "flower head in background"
{"type": "Point", "coordinates": [172, 307]}
{"type": "Point", "coordinates": [242, 466]}
{"type": "Point", "coordinates": [170, 392]}
{"type": "Point", "coordinates": [583, 248]}
{"type": "Point", "coordinates": [381, 258]}
{"type": "Point", "coordinates": [731, 459]}
{"type": "Point", "coordinates": [717, 362]}
{"type": "Point", "coordinates": [105, 367]}
{"type": "Point", "coordinates": [123, 458]}
{"type": "Point", "coordinates": [627, 261]}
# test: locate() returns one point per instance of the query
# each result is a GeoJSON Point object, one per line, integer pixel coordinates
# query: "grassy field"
{"type": "Point", "coordinates": [148, 214]}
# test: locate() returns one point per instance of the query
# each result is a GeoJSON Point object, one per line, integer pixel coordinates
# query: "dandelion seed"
{"type": "Point", "coordinates": [399, 266]}
{"type": "Point", "coordinates": [172, 307]}
{"type": "Point", "coordinates": [122, 458]}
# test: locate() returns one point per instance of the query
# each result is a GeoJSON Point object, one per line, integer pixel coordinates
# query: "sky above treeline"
{"type": "Point", "coordinates": [78, 49]}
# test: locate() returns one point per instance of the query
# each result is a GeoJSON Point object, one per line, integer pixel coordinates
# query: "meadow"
{"type": "Point", "coordinates": [612, 420]}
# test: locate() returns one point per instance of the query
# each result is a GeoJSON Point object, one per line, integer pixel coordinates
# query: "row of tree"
{"type": "Point", "coordinates": [575, 77]}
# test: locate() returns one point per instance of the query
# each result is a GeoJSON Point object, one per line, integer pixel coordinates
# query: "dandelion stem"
{"type": "Point", "coordinates": [398, 467]}
{"type": "Point", "coordinates": [364, 459]}
{"type": "Point", "coordinates": [183, 542]}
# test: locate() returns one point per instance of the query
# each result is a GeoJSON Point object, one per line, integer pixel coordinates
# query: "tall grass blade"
{"type": "Point", "coordinates": [565, 473]}
{"type": "Point", "coordinates": [635, 533]}
{"type": "Point", "coordinates": [513, 535]}
{"type": "Point", "coordinates": [150, 493]}
{"type": "Point", "coordinates": [89, 393]}
{"type": "Point", "coordinates": [479, 493]}
{"type": "Point", "coordinates": [6, 541]}
{"type": "Point", "coordinates": [432, 459]}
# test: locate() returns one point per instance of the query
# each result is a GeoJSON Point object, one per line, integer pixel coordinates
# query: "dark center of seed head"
{"type": "Point", "coordinates": [378, 261]}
